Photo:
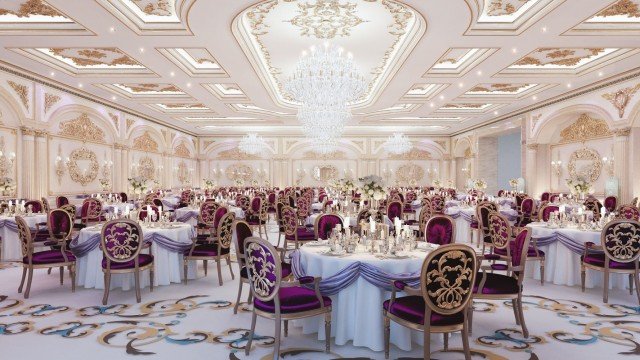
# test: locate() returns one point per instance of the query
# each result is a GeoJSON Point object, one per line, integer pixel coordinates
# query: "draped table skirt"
{"type": "Point", "coordinates": [11, 247]}
{"type": "Point", "coordinates": [358, 284]}
{"type": "Point", "coordinates": [167, 248]}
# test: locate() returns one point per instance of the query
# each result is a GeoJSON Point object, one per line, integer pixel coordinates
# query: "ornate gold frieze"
{"type": "Point", "coordinates": [182, 150]}
{"type": "Point", "coordinates": [145, 142]}
{"type": "Point", "coordinates": [146, 168]}
{"type": "Point", "coordinates": [585, 163]}
{"type": "Point", "coordinates": [413, 154]}
{"type": "Point", "coordinates": [82, 128]}
{"type": "Point", "coordinates": [441, 143]}
{"type": "Point", "coordinates": [206, 143]}
{"type": "Point", "coordinates": [622, 8]}
{"type": "Point", "coordinates": [116, 120]}
{"type": "Point", "coordinates": [620, 99]}
{"type": "Point", "coordinates": [130, 123]}
{"type": "Point", "coordinates": [236, 154]}
{"type": "Point", "coordinates": [88, 174]}
{"type": "Point", "coordinates": [27, 131]}
{"type": "Point", "coordinates": [22, 91]}
{"type": "Point", "coordinates": [326, 19]}
{"type": "Point", "coordinates": [504, 7]}
{"type": "Point", "coordinates": [49, 101]}
{"type": "Point", "coordinates": [83, 57]}
{"type": "Point", "coordinates": [532, 146]}
{"type": "Point", "coordinates": [31, 7]}
{"type": "Point", "coordinates": [585, 128]}
{"type": "Point", "coordinates": [154, 7]}
{"type": "Point", "coordinates": [558, 56]}
{"type": "Point", "coordinates": [312, 155]}
{"type": "Point", "coordinates": [239, 171]}
{"type": "Point", "coordinates": [622, 132]}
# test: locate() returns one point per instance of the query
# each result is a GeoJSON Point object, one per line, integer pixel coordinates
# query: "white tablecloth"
{"type": "Point", "coordinates": [357, 310]}
{"type": "Point", "coordinates": [168, 265]}
{"type": "Point", "coordinates": [11, 248]}
{"type": "Point", "coordinates": [110, 208]}
{"type": "Point", "coordinates": [562, 266]}
{"type": "Point", "coordinates": [188, 215]}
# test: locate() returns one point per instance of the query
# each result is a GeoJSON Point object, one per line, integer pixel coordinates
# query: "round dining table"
{"type": "Point", "coordinates": [563, 248]}
{"type": "Point", "coordinates": [168, 243]}
{"type": "Point", "coordinates": [11, 248]}
{"type": "Point", "coordinates": [364, 281]}
{"type": "Point", "coordinates": [189, 215]}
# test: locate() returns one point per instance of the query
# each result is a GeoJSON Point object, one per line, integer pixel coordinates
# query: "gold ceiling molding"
{"type": "Point", "coordinates": [505, 7]}
{"type": "Point", "coordinates": [558, 56]}
{"type": "Point", "coordinates": [182, 150]}
{"type": "Point", "coordinates": [312, 155]}
{"type": "Point", "coordinates": [236, 154]}
{"type": "Point", "coordinates": [326, 19]}
{"type": "Point", "coordinates": [620, 99]}
{"type": "Point", "coordinates": [49, 101]}
{"type": "Point", "coordinates": [442, 143]}
{"type": "Point", "coordinates": [116, 121]}
{"type": "Point", "coordinates": [585, 163]}
{"type": "Point", "coordinates": [622, 132]}
{"type": "Point", "coordinates": [32, 7]}
{"type": "Point", "coordinates": [22, 91]}
{"type": "Point", "coordinates": [622, 7]}
{"type": "Point", "coordinates": [88, 174]}
{"type": "Point", "coordinates": [585, 128]}
{"type": "Point", "coordinates": [83, 57]}
{"type": "Point", "coordinates": [145, 142]}
{"type": "Point", "coordinates": [413, 154]}
{"type": "Point", "coordinates": [82, 128]}
{"type": "Point", "coordinates": [206, 143]}
{"type": "Point", "coordinates": [154, 7]}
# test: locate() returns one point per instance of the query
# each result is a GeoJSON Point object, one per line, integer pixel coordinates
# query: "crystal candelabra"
{"type": "Point", "coordinates": [386, 174]}
{"type": "Point", "coordinates": [556, 166]}
{"type": "Point", "coordinates": [397, 144]}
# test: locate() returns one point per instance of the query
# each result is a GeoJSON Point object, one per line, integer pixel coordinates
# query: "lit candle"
{"type": "Point", "coordinates": [603, 211]}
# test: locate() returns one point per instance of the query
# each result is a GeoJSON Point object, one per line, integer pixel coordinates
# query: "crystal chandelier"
{"type": "Point", "coordinates": [397, 144]}
{"type": "Point", "coordinates": [251, 144]}
{"type": "Point", "coordinates": [326, 77]}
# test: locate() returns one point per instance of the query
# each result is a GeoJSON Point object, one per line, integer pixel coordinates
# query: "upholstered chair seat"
{"type": "Point", "coordinates": [292, 300]}
{"type": "Point", "coordinates": [143, 260]}
{"type": "Point", "coordinates": [206, 250]}
{"type": "Point", "coordinates": [411, 308]}
{"type": "Point", "coordinates": [598, 260]}
{"type": "Point", "coordinates": [325, 224]}
{"type": "Point", "coordinates": [305, 233]}
{"type": "Point", "coordinates": [474, 224]}
{"type": "Point", "coordinates": [531, 252]}
{"type": "Point", "coordinates": [497, 284]}
{"type": "Point", "coordinates": [49, 257]}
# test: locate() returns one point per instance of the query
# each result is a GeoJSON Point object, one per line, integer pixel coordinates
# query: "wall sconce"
{"type": "Point", "coordinates": [6, 161]}
{"type": "Point", "coordinates": [432, 173]}
{"type": "Point", "coordinates": [609, 164]}
{"type": "Point", "coordinates": [300, 174]}
{"type": "Point", "coordinates": [387, 173]}
{"type": "Point", "coordinates": [60, 166]}
{"type": "Point", "coordinates": [556, 166]}
{"type": "Point", "coordinates": [217, 173]}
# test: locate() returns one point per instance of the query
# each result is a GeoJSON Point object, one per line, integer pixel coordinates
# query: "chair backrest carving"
{"type": "Point", "coordinates": [621, 240]}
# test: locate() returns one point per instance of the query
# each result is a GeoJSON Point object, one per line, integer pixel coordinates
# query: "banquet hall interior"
{"type": "Point", "coordinates": [320, 179]}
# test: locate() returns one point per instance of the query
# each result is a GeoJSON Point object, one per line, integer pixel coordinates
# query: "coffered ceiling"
{"type": "Point", "coordinates": [218, 66]}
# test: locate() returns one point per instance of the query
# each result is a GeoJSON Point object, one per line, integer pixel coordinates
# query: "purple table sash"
{"type": "Point", "coordinates": [347, 276]}
{"type": "Point", "coordinates": [164, 242]}
{"type": "Point", "coordinates": [193, 214]}
{"type": "Point", "coordinates": [571, 244]}
{"type": "Point", "coordinates": [11, 225]}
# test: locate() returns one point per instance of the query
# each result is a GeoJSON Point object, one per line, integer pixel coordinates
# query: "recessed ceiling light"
{"type": "Point", "coordinates": [432, 104]}
{"type": "Point", "coordinates": [112, 29]}
{"type": "Point", "coordinates": [53, 73]}
{"type": "Point", "coordinates": [172, 74]}
{"type": "Point", "coordinates": [188, 84]}
{"type": "Point", "coordinates": [535, 97]}
{"type": "Point", "coordinates": [544, 29]}
{"type": "Point", "coordinates": [514, 50]}
{"type": "Point", "coordinates": [479, 72]}
{"type": "Point", "coordinates": [568, 85]}
{"type": "Point", "coordinates": [600, 73]}
{"type": "Point", "coordinates": [113, 98]}
{"type": "Point", "coordinates": [80, 85]}
{"type": "Point", "coordinates": [495, 112]}
{"type": "Point", "coordinates": [461, 84]}
{"type": "Point", "coordinates": [441, 97]}
{"type": "Point", "coordinates": [141, 49]}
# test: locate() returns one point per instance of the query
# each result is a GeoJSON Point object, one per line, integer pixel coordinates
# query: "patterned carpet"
{"type": "Point", "coordinates": [196, 321]}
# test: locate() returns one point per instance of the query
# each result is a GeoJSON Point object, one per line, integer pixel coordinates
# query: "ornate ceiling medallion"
{"type": "Point", "coordinates": [264, 27]}
{"type": "Point", "coordinates": [326, 19]}
{"type": "Point", "coordinates": [585, 128]}
{"type": "Point", "coordinates": [620, 99]}
{"type": "Point", "coordinates": [77, 61]}
{"type": "Point", "coordinates": [83, 166]}
{"type": "Point", "coordinates": [82, 128]}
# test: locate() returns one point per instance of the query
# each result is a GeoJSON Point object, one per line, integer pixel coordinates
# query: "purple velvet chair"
{"type": "Point", "coordinates": [450, 269]}
{"type": "Point", "coordinates": [121, 242]}
{"type": "Point", "coordinates": [437, 204]}
{"type": "Point", "coordinates": [36, 206]}
{"type": "Point", "coordinates": [501, 193]}
{"type": "Point", "coordinates": [545, 196]}
{"type": "Point", "coordinates": [61, 200]}
{"type": "Point", "coordinates": [291, 230]}
{"type": "Point", "coordinates": [496, 286]}
{"type": "Point", "coordinates": [594, 205]}
{"type": "Point", "coordinates": [91, 211]}
{"type": "Point", "coordinates": [440, 230]}
{"type": "Point", "coordinates": [620, 241]}
{"type": "Point", "coordinates": [45, 259]}
{"type": "Point", "coordinates": [629, 212]}
{"type": "Point", "coordinates": [611, 203]}
{"type": "Point", "coordinates": [256, 216]}
{"type": "Point", "coordinates": [325, 223]}
{"type": "Point", "coordinates": [394, 210]}
{"type": "Point", "coordinates": [519, 199]}
{"type": "Point", "coordinates": [143, 213]}
{"type": "Point", "coordinates": [124, 197]}
{"type": "Point", "coordinates": [303, 209]}
{"type": "Point", "coordinates": [45, 205]}
{"type": "Point", "coordinates": [206, 219]}
{"type": "Point", "coordinates": [525, 215]}
{"type": "Point", "coordinates": [423, 218]}
{"type": "Point", "coordinates": [271, 201]}
{"type": "Point", "coordinates": [243, 202]}
{"type": "Point", "coordinates": [278, 300]}
{"type": "Point", "coordinates": [545, 212]}
{"type": "Point", "coordinates": [214, 251]}
{"type": "Point", "coordinates": [483, 209]}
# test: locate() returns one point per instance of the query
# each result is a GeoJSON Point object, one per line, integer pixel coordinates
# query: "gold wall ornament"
{"type": "Point", "coordinates": [622, 132]}
{"type": "Point", "coordinates": [239, 171]}
{"type": "Point", "coordinates": [312, 155]}
{"type": "Point", "coordinates": [145, 142]}
{"type": "Point", "coordinates": [182, 150]}
{"type": "Point", "coordinates": [146, 168]}
{"type": "Point", "coordinates": [409, 174]}
{"type": "Point", "coordinates": [566, 57]}
{"type": "Point", "coordinates": [504, 7]}
{"type": "Point", "coordinates": [236, 154]}
{"type": "Point", "coordinates": [6, 160]}
{"type": "Point", "coordinates": [442, 143]}
{"type": "Point", "coordinates": [585, 128]}
{"type": "Point", "coordinates": [22, 91]}
{"type": "Point", "coordinates": [116, 120]}
{"type": "Point", "coordinates": [585, 163]}
{"type": "Point", "coordinates": [324, 173]}
{"type": "Point", "coordinates": [154, 7]}
{"type": "Point", "coordinates": [622, 8]}
{"type": "Point", "coordinates": [82, 128]}
{"type": "Point", "coordinates": [85, 57]}
{"type": "Point", "coordinates": [413, 154]}
{"type": "Point", "coordinates": [468, 154]}
{"type": "Point", "coordinates": [86, 174]}
{"type": "Point", "coordinates": [49, 101]}
{"type": "Point", "coordinates": [620, 99]}
{"type": "Point", "coordinates": [533, 147]}
{"type": "Point", "coordinates": [28, 8]}
{"type": "Point", "coordinates": [130, 123]}
{"type": "Point", "coordinates": [326, 19]}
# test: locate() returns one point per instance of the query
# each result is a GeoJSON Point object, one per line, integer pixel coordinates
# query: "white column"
{"type": "Point", "coordinates": [453, 171]}
{"type": "Point", "coordinates": [621, 165]}
{"type": "Point", "coordinates": [28, 163]}
{"type": "Point", "coordinates": [116, 173]}
{"type": "Point", "coordinates": [531, 185]}
{"type": "Point", "coordinates": [41, 178]}
{"type": "Point", "coordinates": [124, 169]}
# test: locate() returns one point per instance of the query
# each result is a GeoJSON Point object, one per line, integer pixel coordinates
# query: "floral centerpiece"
{"type": "Point", "coordinates": [7, 185]}
{"type": "Point", "coordinates": [238, 182]}
{"type": "Point", "coordinates": [138, 184]}
{"type": "Point", "coordinates": [105, 183]}
{"type": "Point", "coordinates": [579, 186]}
{"type": "Point", "coordinates": [372, 187]}
{"type": "Point", "coordinates": [437, 184]}
{"type": "Point", "coordinates": [513, 183]}
{"type": "Point", "coordinates": [209, 184]}
{"type": "Point", "coordinates": [347, 186]}
{"type": "Point", "coordinates": [479, 184]}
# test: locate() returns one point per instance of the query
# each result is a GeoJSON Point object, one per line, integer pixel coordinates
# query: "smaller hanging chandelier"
{"type": "Point", "coordinates": [252, 144]}
{"type": "Point", "coordinates": [397, 144]}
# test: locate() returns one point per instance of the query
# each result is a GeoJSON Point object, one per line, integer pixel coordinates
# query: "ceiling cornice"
{"type": "Point", "coordinates": [30, 76]}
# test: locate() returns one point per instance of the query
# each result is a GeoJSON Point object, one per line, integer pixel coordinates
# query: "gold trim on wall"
{"type": "Point", "coordinates": [83, 177]}
{"type": "Point", "coordinates": [82, 128]}
{"type": "Point", "coordinates": [145, 142]}
{"type": "Point", "coordinates": [583, 129]}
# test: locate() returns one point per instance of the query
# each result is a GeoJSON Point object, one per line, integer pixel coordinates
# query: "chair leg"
{"type": "Point", "coordinates": [49, 271]}
{"type": "Point", "coordinates": [446, 341]}
{"type": "Point", "coordinates": [605, 296]}
{"type": "Point", "coordinates": [387, 334]}
{"type": "Point", "coordinates": [470, 317]}
{"type": "Point", "coordinates": [205, 263]}
{"type": "Point", "coordinates": [276, 345]}
{"type": "Point", "coordinates": [427, 346]}
{"type": "Point", "coordinates": [72, 272]}
{"type": "Point", "coordinates": [525, 331]}
{"type": "Point", "coordinates": [151, 279]}
{"type": "Point", "coordinates": [29, 278]}
{"type": "Point", "coordinates": [630, 284]}
{"type": "Point", "coordinates": [250, 297]}
{"type": "Point", "coordinates": [61, 269]}
{"type": "Point", "coordinates": [286, 328]}
{"type": "Point", "coordinates": [253, 328]}
{"type": "Point", "coordinates": [219, 271]}
{"type": "Point", "coordinates": [465, 342]}
{"type": "Point", "coordinates": [327, 332]}
{"type": "Point", "coordinates": [583, 276]}
{"type": "Point", "coordinates": [514, 304]}
{"type": "Point", "coordinates": [185, 268]}
{"type": "Point", "coordinates": [542, 271]}
{"type": "Point", "coordinates": [107, 286]}
{"type": "Point", "coordinates": [136, 277]}
{"type": "Point", "coordinates": [230, 268]}
{"type": "Point", "coordinates": [636, 279]}
{"type": "Point", "coordinates": [24, 276]}
{"type": "Point", "coordinates": [235, 307]}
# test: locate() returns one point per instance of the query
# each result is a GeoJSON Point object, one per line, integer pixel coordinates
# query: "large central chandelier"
{"type": "Point", "coordinates": [252, 144]}
{"type": "Point", "coordinates": [397, 144]}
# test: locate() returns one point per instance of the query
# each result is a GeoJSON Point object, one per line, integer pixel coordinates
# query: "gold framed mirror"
{"type": "Point", "coordinates": [324, 173]}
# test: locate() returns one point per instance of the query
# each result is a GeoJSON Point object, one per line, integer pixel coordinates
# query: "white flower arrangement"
{"type": "Point", "coordinates": [7, 184]}
{"type": "Point", "coordinates": [437, 183]}
{"type": "Point", "coordinates": [209, 184]}
{"type": "Point", "coordinates": [346, 185]}
{"type": "Point", "coordinates": [513, 183]}
{"type": "Point", "coordinates": [372, 187]}
{"type": "Point", "coordinates": [579, 186]}
{"type": "Point", "coordinates": [138, 184]}
{"type": "Point", "coordinates": [238, 182]}
{"type": "Point", "coordinates": [479, 184]}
